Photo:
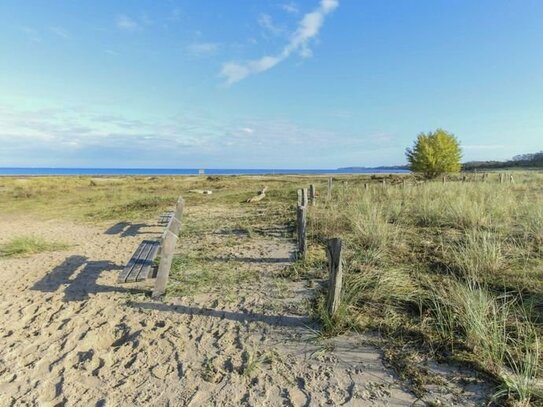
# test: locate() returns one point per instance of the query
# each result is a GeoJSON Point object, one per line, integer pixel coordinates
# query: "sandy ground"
{"type": "Point", "coordinates": [71, 336]}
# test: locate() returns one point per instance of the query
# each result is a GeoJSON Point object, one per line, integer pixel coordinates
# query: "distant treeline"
{"type": "Point", "coordinates": [523, 160]}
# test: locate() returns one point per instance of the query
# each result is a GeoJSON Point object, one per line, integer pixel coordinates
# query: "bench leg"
{"type": "Point", "coordinates": [166, 257]}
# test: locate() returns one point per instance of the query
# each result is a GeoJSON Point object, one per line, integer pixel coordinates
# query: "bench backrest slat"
{"type": "Point", "coordinates": [167, 248]}
{"type": "Point", "coordinates": [166, 257]}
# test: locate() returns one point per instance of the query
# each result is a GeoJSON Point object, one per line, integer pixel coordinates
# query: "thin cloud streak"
{"type": "Point", "coordinates": [290, 8]}
{"type": "Point", "coordinates": [266, 22]}
{"type": "Point", "coordinates": [308, 29]}
{"type": "Point", "coordinates": [61, 32]}
{"type": "Point", "coordinates": [201, 49]}
{"type": "Point", "coordinates": [126, 23]}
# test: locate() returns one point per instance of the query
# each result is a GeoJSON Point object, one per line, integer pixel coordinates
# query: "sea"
{"type": "Point", "coordinates": [189, 171]}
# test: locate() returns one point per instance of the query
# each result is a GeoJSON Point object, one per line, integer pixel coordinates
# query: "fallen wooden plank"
{"type": "Point", "coordinates": [261, 195]}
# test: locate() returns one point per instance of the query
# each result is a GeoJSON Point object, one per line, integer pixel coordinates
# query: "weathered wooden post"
{"type": "Point", "coordinates": [333, 252]}
{"type": "Point", "coordinates": [301, 220]}
{"type": "Point", "coordinates": [300, 197]}
{"type": "Point", "coordinates": [366, 186]}
{"type": "Point", "coordinates": [501, 178]}
{"type": "Point", "coordinates": [312, 195]}
{"type": "Point", "coordinates": [329, 189]}
{"type": "Point", "coordinates": [444, 179]}
{"type": "Point", "coordinates": [304, 197]}
{"type": "Point", "coordinates": [403, 183]}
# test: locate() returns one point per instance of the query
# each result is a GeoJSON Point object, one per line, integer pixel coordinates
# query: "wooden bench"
{"type": "Point", "coordinates": [141, 265]}
{"type": "Point", "coordinates": [165, 218]}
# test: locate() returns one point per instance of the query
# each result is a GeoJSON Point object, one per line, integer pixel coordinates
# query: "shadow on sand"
{"type": "Point", "coordinates": [127, 229]}
{"type": "Point", "coordinates": [272, 320]}
{"type": "Point", "coordinates": [271, 260]}
{"type": "Point", "coordinates": [84, 283]}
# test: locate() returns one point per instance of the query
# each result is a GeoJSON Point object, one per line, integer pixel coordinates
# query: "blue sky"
{"type": "Point", "coordinates": [265, 84]}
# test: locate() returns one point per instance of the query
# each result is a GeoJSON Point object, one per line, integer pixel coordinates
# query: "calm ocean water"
{"type": "Point", "coordinates": [189, 171]}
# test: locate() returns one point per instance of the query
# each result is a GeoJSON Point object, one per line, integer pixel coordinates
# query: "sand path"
{"type": "Point", "coordinates": [71, 336]}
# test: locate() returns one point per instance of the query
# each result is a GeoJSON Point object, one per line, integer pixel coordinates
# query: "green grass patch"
{"type": "Point", "coordinates": [28, 245]}
{"type": "Point", "coordinates": [190, 276]}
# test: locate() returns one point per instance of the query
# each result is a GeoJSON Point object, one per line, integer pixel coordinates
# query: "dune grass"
{"type": "Point", "coordinates": [28, 245]}
{"type": "Point", "coordinates": [453, 267]}
{"type": "Point", "coordinates": [497, 332]}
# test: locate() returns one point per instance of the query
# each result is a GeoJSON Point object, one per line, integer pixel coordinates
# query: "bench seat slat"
{"type": "Point", "coordinates": [148, 264]}
{"type": "Point", "coordinates": [131, 263]}
{"type": "Point", "coordinates": [143, 261]}
{"type": "Point", "coordinates": [139, 264]}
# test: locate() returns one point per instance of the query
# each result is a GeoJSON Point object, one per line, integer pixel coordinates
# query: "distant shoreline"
{"type": "Point", "coordinates": [190, 171]}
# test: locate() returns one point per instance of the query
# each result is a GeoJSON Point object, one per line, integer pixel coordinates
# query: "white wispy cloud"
{"type": "Point", "coordinates": [61, 32]}
{"type": "Point", "coordinates": [248, 130]}
{"type": "Point", "coordinates": [290, 8]}
{"type": "Point", "coordinates": [200, 49]}
{"type": "Point", "coordinates": [266, 22]}
{"type": "Point", "coordinates": [308, 28]}
{"type": "Point", "coordinates": [126, 23]}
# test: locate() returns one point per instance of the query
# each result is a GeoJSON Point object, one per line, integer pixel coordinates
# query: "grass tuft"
{"type": "Point", "coordinates": [28, 245]}
{"type": "Point", "coordinates": [496, 329]}
{"type": "Point", "coordinates": [478, 254]}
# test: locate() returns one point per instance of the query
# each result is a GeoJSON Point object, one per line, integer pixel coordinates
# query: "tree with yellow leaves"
{"type": "Point", "coordinates": [435, 153]}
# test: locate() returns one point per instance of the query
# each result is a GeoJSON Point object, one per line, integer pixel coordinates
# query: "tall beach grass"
{"type": "Point", "coordinates": [453, 262]}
